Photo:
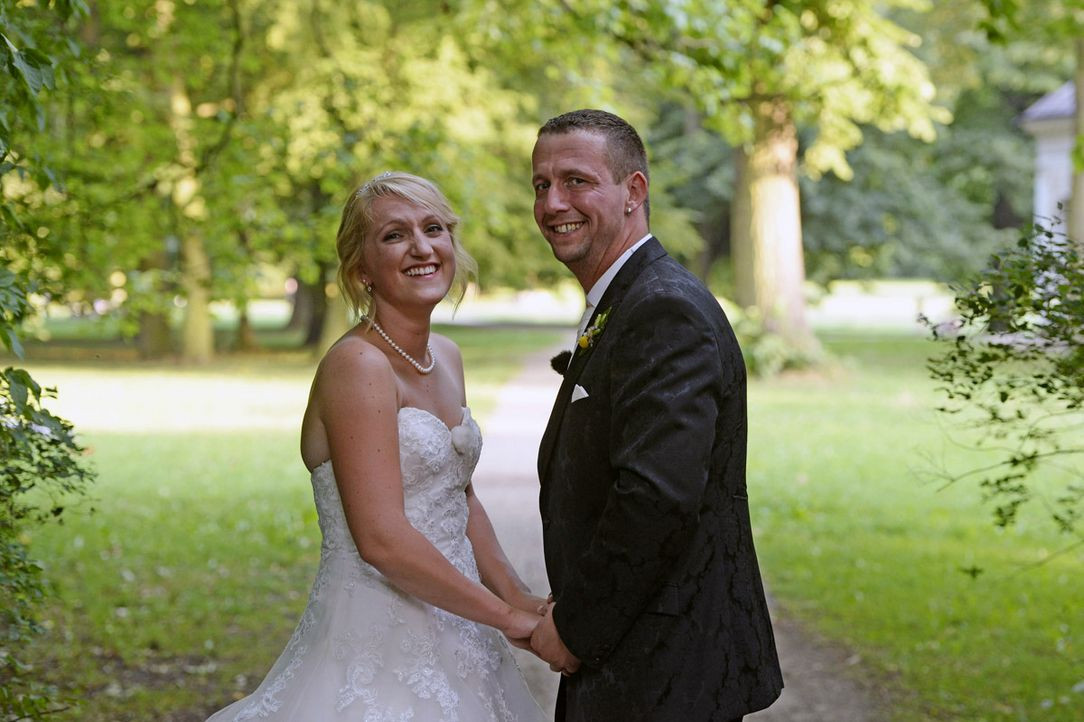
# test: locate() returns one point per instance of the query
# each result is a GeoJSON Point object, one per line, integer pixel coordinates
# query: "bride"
{"type": "Point", "coordinates": [414, 601]}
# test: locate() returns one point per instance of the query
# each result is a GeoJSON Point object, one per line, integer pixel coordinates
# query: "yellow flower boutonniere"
{"type": "Point", "coordinates": [587, 339]}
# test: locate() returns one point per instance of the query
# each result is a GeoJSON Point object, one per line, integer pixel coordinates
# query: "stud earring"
{"type": "Point", "coordinates": [369, 287]}
{"type": "Point", "coordinates": [628, 211]}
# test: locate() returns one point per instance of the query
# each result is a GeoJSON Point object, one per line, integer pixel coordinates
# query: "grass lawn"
{"type": "Point", "coordinates": [859, 541]}
{"type": "Point", "coordinates": [177, 592]}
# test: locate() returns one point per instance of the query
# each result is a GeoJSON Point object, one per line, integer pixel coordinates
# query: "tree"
{"type": "Point", "coordinates": [1060, 22]}
{"type": "Point", "coordinates": [40, 454]}
{"type": "Point", "coordinates": [181, 183]}
{"type": "Point", "coordinates": [758, 72]}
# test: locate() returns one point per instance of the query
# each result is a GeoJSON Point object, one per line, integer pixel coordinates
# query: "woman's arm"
{"type": "Point", "coordinates": [358, 404]}
{"type": "Point", "coordinates": [496, 571]}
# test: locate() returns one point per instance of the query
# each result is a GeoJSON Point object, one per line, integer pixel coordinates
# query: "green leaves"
{"type": "Point", "coordinates": [1016, 370]}
{"type": "Point", "coordinates": [34, 67]}
{"type": "Point", "coordinates": [39, 453]}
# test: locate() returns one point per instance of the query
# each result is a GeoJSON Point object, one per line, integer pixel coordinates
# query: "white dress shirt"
{"type": "Point", "coordinates": [597, 290]}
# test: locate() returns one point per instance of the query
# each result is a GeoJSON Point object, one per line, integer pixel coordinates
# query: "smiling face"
{"type": "Point", "coordinates": [408, 255]}
{"type": "Point", "coordinates": [579, 207]}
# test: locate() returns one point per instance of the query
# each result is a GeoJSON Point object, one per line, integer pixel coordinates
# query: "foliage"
{"type": "Point", "coordinates": [1015, 370]}
{"type": "Point", "coordinates": [838, 66]}
{"type": "Point", "coordinates": [41, 469]}
{"type": "Point", "coordinates": [914, 209]}
{"type": "Point", "coordinates": [766, 353]}
{"type": "Point", "coordinates": [41, 458]}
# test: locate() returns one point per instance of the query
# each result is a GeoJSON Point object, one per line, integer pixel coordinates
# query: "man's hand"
{"type": "Point", "coordinates": [547, 644]}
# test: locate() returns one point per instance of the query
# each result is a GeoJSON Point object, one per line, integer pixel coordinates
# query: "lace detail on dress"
{"type": "Point", "coordinates": [363, 650]}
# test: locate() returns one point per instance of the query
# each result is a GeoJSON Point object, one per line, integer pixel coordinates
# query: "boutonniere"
{"type": "Point", "coordinates": [587, 339]}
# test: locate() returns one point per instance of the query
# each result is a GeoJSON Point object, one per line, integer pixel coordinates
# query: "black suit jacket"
{"type": "Point", "coordinates": [645, 516]}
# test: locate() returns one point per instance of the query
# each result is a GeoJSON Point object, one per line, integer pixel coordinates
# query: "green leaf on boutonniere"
{"type": "Point", "coordinates": [587, 339]}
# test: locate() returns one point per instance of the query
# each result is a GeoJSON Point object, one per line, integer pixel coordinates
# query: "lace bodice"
{"type": "Point", "coordinates": [436, 464]}
{"type": "Point", "coordinates": [363, 649]}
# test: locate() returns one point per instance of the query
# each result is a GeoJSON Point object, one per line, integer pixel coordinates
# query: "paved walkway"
{"type": "Point", "coordinates": [823, 681]}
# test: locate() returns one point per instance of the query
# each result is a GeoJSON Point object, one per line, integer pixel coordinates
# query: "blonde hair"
{"type": "Point", "coordinates": [357, 222]}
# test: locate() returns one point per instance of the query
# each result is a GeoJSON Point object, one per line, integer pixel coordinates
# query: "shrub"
{"type": "Point", "coordinates": [41, 470]}
{"type": "Point", "coordinates": [1014, 370]}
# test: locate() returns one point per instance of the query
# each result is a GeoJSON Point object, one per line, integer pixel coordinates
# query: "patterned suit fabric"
{"type": "Point", "coordinates": [645, 513]}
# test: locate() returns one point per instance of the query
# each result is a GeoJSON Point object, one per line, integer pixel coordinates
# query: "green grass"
{"type": "Point", "coordinates": [177, 591]}
{"type": "Point", "coordinates": [859, 540]}
{"type": "Point", "coordinates": [204, 541]}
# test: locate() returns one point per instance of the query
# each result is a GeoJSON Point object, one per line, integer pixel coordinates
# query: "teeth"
{"type": "Point", "coordinates": [567, 227]}
{"type": "Point", "coordinates": [421, 270]}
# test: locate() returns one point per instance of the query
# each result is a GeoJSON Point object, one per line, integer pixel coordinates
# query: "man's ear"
{"type": "Point", "coordinates": [636, 189]}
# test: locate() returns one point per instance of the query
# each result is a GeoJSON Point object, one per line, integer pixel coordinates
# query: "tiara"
{"type": "Point", "coordinates": [365, 186]}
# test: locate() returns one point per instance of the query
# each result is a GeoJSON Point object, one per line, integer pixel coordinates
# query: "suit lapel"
{"type": "Point", "coordinates": [645, 254]}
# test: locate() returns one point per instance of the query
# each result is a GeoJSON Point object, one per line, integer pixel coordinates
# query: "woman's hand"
{"type": "Point", "coordinates": [528, 602]}
{"type": "Point", "coordinates": [520, 626]}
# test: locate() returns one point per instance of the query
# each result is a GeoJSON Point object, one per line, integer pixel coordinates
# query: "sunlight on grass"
{"type": "Point", "coordinates": [156, 401]}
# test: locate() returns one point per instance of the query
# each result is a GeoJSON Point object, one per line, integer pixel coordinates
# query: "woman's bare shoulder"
{"type": "Point", "coordinates": [348, 362]}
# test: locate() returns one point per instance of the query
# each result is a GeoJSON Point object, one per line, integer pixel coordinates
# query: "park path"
{"type": "Point", "coordinates": [824, 682]}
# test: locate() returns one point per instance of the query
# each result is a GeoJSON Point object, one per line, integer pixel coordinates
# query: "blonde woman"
{"type": "Point", "coordinates": [414, 601]}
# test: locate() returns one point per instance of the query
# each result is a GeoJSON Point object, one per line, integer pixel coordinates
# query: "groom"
{"type": "Point", "coordinates": [659, 611]}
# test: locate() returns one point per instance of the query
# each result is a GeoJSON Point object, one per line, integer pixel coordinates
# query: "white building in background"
{"type": "Point", "coordinates": [1050, 121]}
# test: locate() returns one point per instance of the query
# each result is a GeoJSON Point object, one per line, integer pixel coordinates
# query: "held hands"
{"type": "Point", "coordinates": [547, 644]}
{"type": "Point", "coordinates": [519, 627]}
{"type": "Point", "coordinates": [518, 632]}
{"type": "Point", "coordinates": [530, 603]}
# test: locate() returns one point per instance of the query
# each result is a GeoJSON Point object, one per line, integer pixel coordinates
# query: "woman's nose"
{"type": "Point", "coordinates": [421, 245]}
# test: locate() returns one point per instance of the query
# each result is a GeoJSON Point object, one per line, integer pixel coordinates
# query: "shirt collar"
{"type": "Point", "coordinates": [597, 290]}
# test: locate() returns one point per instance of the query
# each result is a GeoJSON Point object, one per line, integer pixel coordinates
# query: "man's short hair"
{"type": "Point", "coordinates": [625, 152]}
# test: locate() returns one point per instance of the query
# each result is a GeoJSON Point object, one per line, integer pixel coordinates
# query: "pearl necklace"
{"type": "Point", "coordinates": [410, 359]}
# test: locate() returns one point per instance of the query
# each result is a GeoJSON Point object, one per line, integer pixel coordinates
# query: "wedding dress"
{"type": "Point", "coordinates": [364, 651]}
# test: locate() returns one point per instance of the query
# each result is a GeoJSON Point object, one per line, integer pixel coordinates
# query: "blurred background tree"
{"type": "Point", "coordinates": [208, 147]}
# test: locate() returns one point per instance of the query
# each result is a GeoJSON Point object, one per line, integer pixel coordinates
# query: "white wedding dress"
{"type": "Point", "coordinates": [364, 651]}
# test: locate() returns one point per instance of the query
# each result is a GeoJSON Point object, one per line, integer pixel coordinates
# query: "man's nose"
{"type": "Point", "coordinates": [553, 200]}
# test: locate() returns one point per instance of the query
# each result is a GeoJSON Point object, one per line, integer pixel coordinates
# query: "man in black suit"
{"type": "Point", "coordinates": [658, 610]}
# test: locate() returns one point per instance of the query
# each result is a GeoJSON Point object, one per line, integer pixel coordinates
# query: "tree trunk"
{"type": "Point", "coordinates": [155, 339]}
{"type": "Point", "coordinates": [1076, 200]}
{"type": "Point", "coordinates": [246, 339]}
{"type": "Point", "coordinates": [303, 304]}
{"type": "Point", "coordinates": [317, 319]}
{"type": "Point", "coordinates": [197, 337]}
{"type": "Point", "coordinates": [197, 333]}
{"type": "Point", "coordinates": [766, 226]}
{"type": "Point", "coordinates": [310, 308]}
{"type": "Point", "coordinates": [336, 320]}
